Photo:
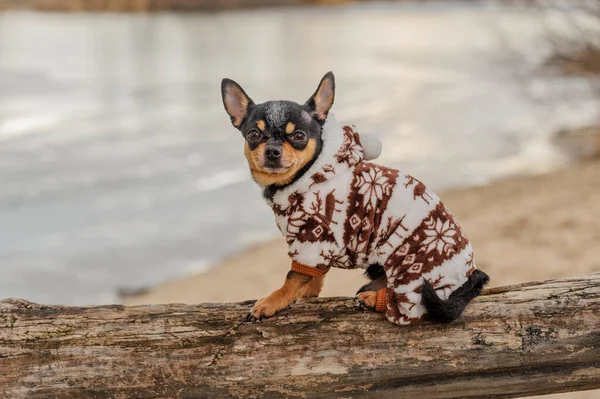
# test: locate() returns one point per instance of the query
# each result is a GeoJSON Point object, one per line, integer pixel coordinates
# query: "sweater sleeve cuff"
{"type": "Point", "coordinates": [380, 304]}
{"type": "Point", "coordinates": [308, 270]}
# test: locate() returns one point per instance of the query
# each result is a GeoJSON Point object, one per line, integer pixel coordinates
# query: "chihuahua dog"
{"type": "Point", "coordinates": [336, 209]}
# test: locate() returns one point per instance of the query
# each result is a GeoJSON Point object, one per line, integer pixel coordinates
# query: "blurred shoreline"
{"type": "Point", "coordinates": [522, 229]}
{"type": "Point", "coordinates": [120, 167]}
{"type": "Point", "coordinates": [162, 5]}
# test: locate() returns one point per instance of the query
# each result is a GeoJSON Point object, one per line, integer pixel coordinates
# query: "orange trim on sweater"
{"type": "Point", "coordinates": [307, 270]}
{"type": "Point", "coordinates": [380, 302]}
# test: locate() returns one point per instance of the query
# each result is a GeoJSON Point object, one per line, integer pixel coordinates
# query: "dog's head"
{"type": "Point", "coordinates": [283, 138]}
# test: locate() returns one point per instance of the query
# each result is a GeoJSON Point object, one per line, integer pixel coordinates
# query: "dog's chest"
{"type": "Point", "coordinates": [317, 214]}
{"type": "Point", "coordinates": [355, 216]}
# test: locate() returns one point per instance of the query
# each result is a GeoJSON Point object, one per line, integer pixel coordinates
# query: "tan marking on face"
{"type": "Point", "coordinates": [261, 125]}
{"type": "Point", "coordinates": [290, 127]}
{"type": "Point", "coordinates": [292, 161]}
{"type": "Point", "coordinates": [255, 158]}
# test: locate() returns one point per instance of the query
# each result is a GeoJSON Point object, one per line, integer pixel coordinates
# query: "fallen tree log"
{"type": "Point", "coordinates": [533, 338]}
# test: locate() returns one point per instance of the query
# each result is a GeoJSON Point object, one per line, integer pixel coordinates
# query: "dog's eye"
{"type": "Point", "coordinates": [299, 136]}
{"type": "Point", "coordinates": [253, 135]}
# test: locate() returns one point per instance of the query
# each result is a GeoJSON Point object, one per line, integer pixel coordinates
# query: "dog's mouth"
{"type": "Point", "coordinates": [275, 170]}
{"type": "Point", "coordinates": [277, 167]}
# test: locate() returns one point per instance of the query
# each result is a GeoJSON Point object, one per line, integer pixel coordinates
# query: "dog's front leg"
{"type": "Point", "coordinates": [294, 287]}
{"type": "Point", "coordinates": [313, 288]}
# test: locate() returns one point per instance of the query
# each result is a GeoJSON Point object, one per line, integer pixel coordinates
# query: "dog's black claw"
{"type": "Point", "coordinates": [360, 304]}
{"type": "Point", "coordinates": [250, 317]}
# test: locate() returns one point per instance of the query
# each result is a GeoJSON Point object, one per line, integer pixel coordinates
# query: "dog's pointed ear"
{"type": "Point", "coordinates": [320, 103]}
{"type": "Point", "coordinates": [236, 101]}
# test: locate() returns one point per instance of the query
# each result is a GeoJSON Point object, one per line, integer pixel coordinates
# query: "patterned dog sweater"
{"type": "Point", "coordinates": [349, 213]}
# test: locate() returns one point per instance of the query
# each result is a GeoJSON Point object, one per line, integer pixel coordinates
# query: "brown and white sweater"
{"type": "Point", "coordinates": [349, 213]}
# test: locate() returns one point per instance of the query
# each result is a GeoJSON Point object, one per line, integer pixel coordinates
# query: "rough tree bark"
{"type": "Point", "coordinates": [533, 338]}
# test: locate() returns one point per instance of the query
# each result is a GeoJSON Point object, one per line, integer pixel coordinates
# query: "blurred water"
{"type": "Point", "coordinates": [118, 166]}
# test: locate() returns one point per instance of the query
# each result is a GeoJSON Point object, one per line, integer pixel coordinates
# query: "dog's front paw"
{"type": "Point", "coordinates": [267, 307]}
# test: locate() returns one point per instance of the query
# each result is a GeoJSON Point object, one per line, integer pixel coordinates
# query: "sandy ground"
{"type": "Point", "coordinates": [521, 229]}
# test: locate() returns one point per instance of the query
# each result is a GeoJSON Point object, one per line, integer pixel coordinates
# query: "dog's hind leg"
{"type": "Point", "coordinates": [374, 285]}
{"type": "Point", "coordinates": [367, 299]}
{"type": "Point", "coordinates": [367, 295]}
{"type": "Point", "coordinates": [373, 299]}
{"type": "Point", "coordinates": [377, 275]}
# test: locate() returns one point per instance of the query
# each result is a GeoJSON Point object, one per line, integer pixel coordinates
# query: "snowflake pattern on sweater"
{"type": "Point", "coordinates": [349, 213]}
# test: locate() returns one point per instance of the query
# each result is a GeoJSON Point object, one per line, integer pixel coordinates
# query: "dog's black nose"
{"type": "Point", "coordinates": [273, 153]}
